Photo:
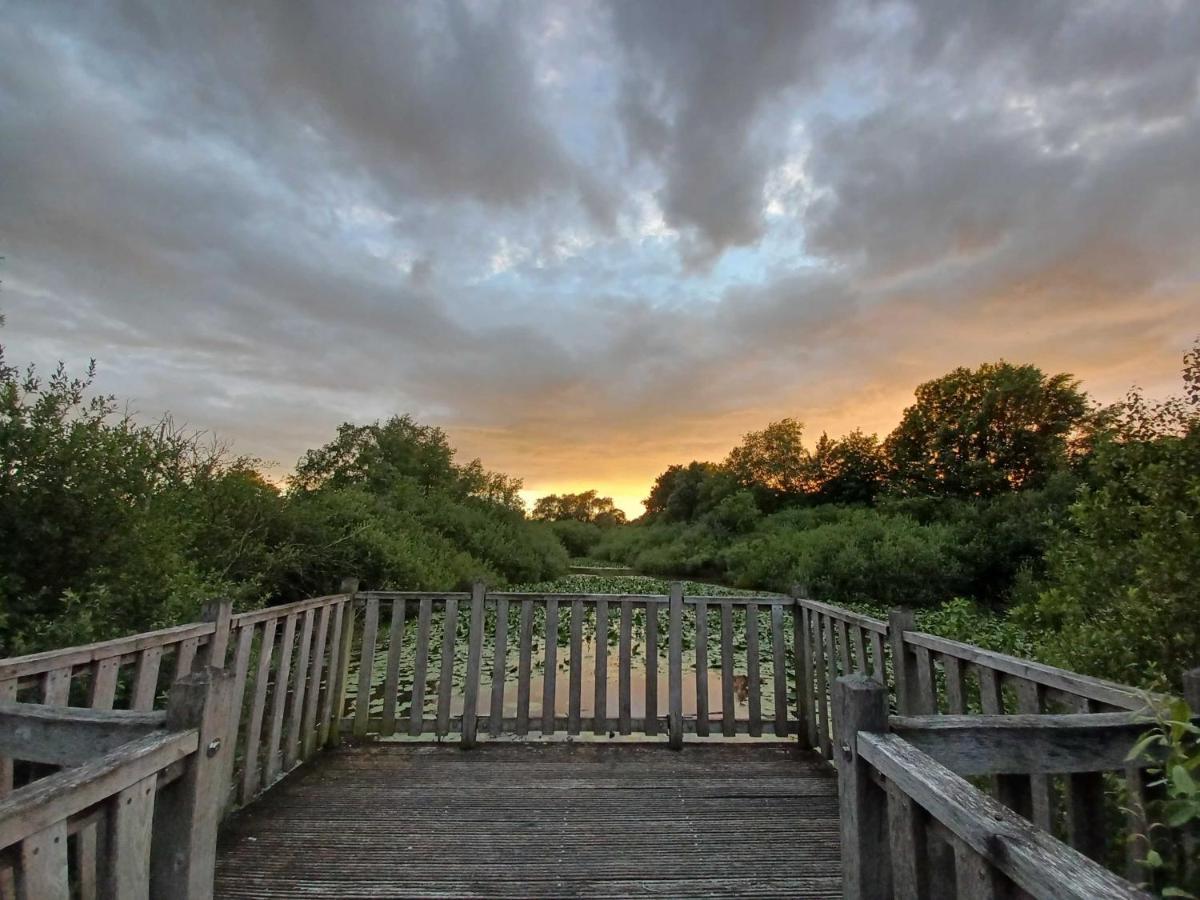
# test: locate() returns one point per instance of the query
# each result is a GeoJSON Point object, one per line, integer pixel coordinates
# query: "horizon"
{"type": "Point", "coordinates": [593, 241]}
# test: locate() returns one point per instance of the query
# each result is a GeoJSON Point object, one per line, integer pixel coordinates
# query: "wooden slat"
{"type": "Point", "coordinates": [291, 746]}
{"type": "Point", "coordinates": [825, 687]}
{"type": "Point", "coordinates": [145, 679]}
{"type": "Point", "coordinates": [702, 724]}
{"type": "Point", "coordinates": [1137, 822]}
{"type": "Point", "coordinates": [341, 672]}
{"type": "Point", "coordinates": [811, 651]}
{"type": "Point", "coordinates": [43, 872]}
{"type": "Point", "coordinates": [625, 666]}
{"type": "Point", "coordinates": [1029, 700]}
{"type": "Point", "coordinates": [906, 838]}
{"type": "Point", "coordinates": [600, 711]}
{"type": "Point", "coordinates": [366, 667]}
{"type": "Point", "coordinates": [844, 646]}
{"type": "Point", "coordinates": [975, 878]}
{"type": "Point", "coordinates": [272, 759]}
{"type": "Point", "coordinates": [499, 667]}
{"type": "Point", "coordinates": [416, 715]}
{"type": "Point", "coordinates": [474, 662]}
{"type": "Point", "coordinates": [574, 723]}
{"type": "Point", "coordinates": [675, 666]}
{"type": "Point", "coordinates": [990, 696]}
{"type": "Point", "coordinates": [446, 670]}
{"type": "Point", "coordinates": [262, 675]}
{"type": "Point", "coordinates": [330, 700]}
{"type": "Point", "coordinates": [779, 669]}
{"type": "Point", "coordinates": [128, 868]}
{"type": "Point", "coordinates": [878, 662]}
{"type": "Point", "coordinates": [955, 696]}
{"type": "Point", "coordinates": [308, 734]}
{"type": "Point", "coordinates": [185, 657]}
{"type": "Point", "coordinates": [391, 675]}
{"type": "Point", "coordinates": [752, 670]}
{"type": "Point", "coordinates": [1084, 803]}
{"type": "Point", "coordinates": [103, 689]}
{"type": "Point", "coordinates": [550, 667]}
{"type": "Point", "coordinates": [56, 687]}
{"type": "Point", "coordinates": [87, 841]}
{"type": "Point", "coordinates": [860, 650]}
{"type": "Point", "coordinates": [926, 681]}
{"type": "Point", "coordinates": [69, 735]}
{"type": "Point", "coordinates": [651, 668]}
{"type": "Point", "coordinates": [241, 671]}
{"type": "Point", "coordinates": [821, 655]}
{"type": "Point", "coordinates": [8, 693]}
{"type": "Point", "coordinates": [728, 721]}
{"type": "Point", "coordinates": [524, 666]}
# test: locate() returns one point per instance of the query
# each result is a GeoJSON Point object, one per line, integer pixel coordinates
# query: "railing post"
{"type": "Point", "coordinates": [804, 673]}
{"type": "Point", "coordinates": [470, 716]}
{"type": "Point", "coordinates": [860, 704]}
{"type": "Point", "coordinates": [904, 663]}
{"type": "Point", "coordinates": [340, 677]}
{"type": "Point", "coordinates": [221, 613]}
{"type": "Point", "coordinates": [675, 666]}
{"type": "Point", "coordinates": [187, 813]}
{"type": "Point", "coordinates": [1191, 690]}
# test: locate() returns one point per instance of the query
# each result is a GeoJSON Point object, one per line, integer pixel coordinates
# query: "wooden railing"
{"type": "Point", "coordinates": [500, 628]}
{"type": "Point", "coordinates": [133, 811]}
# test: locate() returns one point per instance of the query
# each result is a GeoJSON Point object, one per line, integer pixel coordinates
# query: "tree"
{"type": "Point", "coordinates": [849, 470]}
{"type": "Point", "coordinates": [587, 506]}
{"type": "Point", "coordinates": [683, 493]}
{"type": "Point", "coordinates": [981, 432]}
{"type": "Point", "coordinates": [773, 462]}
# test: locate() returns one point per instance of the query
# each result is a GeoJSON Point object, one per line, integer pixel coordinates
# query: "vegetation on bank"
{"type": "Point", "coordinates": [1011, 511]}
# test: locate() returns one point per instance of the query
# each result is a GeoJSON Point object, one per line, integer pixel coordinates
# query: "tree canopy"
{"type": "Point", "coordinates": [587, 506]}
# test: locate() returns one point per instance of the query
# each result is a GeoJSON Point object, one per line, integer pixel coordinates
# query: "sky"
{"type": "Point", "coordinates": [592, 239]}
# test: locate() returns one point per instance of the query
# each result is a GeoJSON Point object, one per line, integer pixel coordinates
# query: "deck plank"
{"type": "Point", "coordinates": [529, 820]}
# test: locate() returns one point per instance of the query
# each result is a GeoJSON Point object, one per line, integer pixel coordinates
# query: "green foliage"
{"type": "Point", "coordinates": [772, 462]}
{"type": "Point", "coordinates": [981, 432]}
{"type": "Point", "coordinates": [587, 507]}
{"type": "Point", "coordinates": [1167, 851]}
{"type": "Point", "coordinates": [1119, 596]}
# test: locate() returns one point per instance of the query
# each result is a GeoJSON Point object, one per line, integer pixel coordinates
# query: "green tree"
{"type": "Point", "coordinates": [849, 470]}
{"type": "Point", "coordinates": [587, 506]}
{"type": "Point", "coordinates": [773, 462]}
{"type": "Point", "coordinates": [981, 432]}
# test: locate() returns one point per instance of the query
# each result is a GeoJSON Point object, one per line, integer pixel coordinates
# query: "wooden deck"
{"type": "Point", "coordinates": [541, 820]}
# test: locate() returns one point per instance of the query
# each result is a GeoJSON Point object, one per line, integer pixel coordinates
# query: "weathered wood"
{"type": "Point", "coordinates": [779, 671]}
{"type": "Point", "coordinates": [878, 663]}
{"type": "Point", "coordinates": [87, 860]}
{"type": "Point", "coordinates": [1029, 701]}
{"type": "Point", "coordinates": [1191, 690]}
{"type": "Point", "coordinates": [804, 667]}
{"type": "Point", "coordinates": [188, 811]}
{"type": "Point", "coordinates": [753, 673]}
{"type": "Point", "coordinates": [625, 666]}
{"type": "Point", "coordinates": [130, 827]}
{"type": "Point", "coordinates": [1137, 822]}
{"type": "Point", "coordinates": [220, 613]}
{"type": "Point", "coordinates": [907, 846]}
{"type": "Point", "coordinates": [550, 667]}
{"type": "Point", "coordinates": [145, 679]}
{"type": "Point", "coordinates": [126, 647]}
{"type": "Point", "coordinates": [991, 697]}
{"type": "Point", "coordinates": [844, 646]}
{"type": "Point", "coordinates": [837, 613]}
{"type": "Point", "coordinates": [366, 666]}
{"type": "Point", "coordinates": [1084, 801]}
{"type": "Point", "coordinates": [956, 702]}
{"type": "Point", "coordinates": [600, 710]}
{"type": "Point", "coordinates": [1036, 861]}
{"type": "Point", "coordinates": [926, 682]}
{"type": "Point", "coordinates": [728, 720]}
{"type": "Point", "coordinates": [103, 689]}
{"type": "Point", "coordinates": [56, 687]}
{"type": "Point", "coordinates": [861, 705]}
{"type": "Point", "coordinates": [524, 666]}
{"type": "Point", "coordinates": [262, 676]}
{"type": "Point", "coordinates": [446, 666]}
{"type": "Point", "coordinates": [1024, 744]}
{"type": "Point", "coordinates": [241, 671]}
{"type": "Point", "coordinates": [702, 723]}
{"type": "Point", "coordinates": [904, 664]}
{"type": "Point", "coordinates": [860, 650]}
{"type": "Point", "coordinates": [308, 732]}
{"type": "Point", "coordinates": [416, 715]}
{"type": "Point", "coordinates": [1097, 689]}
{"type": "Point", "coordinates": [675, 666]}
{"type": "Point", "coordinates": [975, 878]}
{"type": "Point", "coordinates": [341, 672]}
{"type": "Point", "coordinates": [575, 724]}
{"type": "Point", "coordinates": [8, 694]}
{"type": "Point", "coordinates": [291, 746]}
{"type": "Point", "coordinates": [185, 657]}
{"type": "Point", "coordinates": [391, 672]}
{"type": "Point", "coordinates": [42, 874]}
{"type": "Point", "coordinates": [474, 662]}
{"type": "Point", "coordinates": [823, 687]}
{"type": "Point", "coordinates": [499, 666]}
{"type": "Point", "coordinates": [272, 759]}
{"type": "Point", "coordinates": [69, 735]}
{"type": "Point", "coordinates": [651, 668]}
{"type": "Point", "coordinates": [330, 695]}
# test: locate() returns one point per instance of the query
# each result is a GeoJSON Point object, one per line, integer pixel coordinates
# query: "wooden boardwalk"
{"type": "Point", "coordinates": [541, 820]}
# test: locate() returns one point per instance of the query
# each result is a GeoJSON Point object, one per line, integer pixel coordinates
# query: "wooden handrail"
{"type": "Point", "coordinates": [68, 736]}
